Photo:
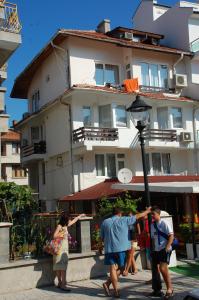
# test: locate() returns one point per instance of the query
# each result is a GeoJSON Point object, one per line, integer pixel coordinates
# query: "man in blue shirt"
{"type": "Point", "coordinates": [114, 233]}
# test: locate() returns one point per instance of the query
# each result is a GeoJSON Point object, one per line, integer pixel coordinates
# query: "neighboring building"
{"type": "Point", "coordinates": [77, 134]}
{"type": "Point", "coordinates": [180, 26]}
{"type": "Point", "coordinates": [10, 39]}
{"type": "Point", "coordinates": [11, 169]}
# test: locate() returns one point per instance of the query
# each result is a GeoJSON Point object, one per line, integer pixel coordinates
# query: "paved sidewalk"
{"type": "Point", "coordinates": [132, 287]}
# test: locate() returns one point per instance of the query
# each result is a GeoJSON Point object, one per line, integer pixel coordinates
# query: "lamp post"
{"type": "Point", "coordinates": [139, 111]}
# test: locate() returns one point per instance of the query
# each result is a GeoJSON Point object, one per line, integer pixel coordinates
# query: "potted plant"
{"type": "Point", "coordinates": [186, 234]}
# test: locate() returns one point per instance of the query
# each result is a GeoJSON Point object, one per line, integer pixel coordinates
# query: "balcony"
{"type": "Point", "coordinates": [3, 73]}
{"type": "Point", "coordinates": [33, 152]}
{"type": "Point", "coordinates": [10, 28]}
{"type": "Point", "coordinates": [95, 136]}
{"type": "Point", "coordinates": [153, 89]}
{"type": "Point", "coordinates": [158, 138]}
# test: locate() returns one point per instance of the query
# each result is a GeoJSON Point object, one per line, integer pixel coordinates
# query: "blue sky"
{"type": "Point", "coordinates": [41, 19]}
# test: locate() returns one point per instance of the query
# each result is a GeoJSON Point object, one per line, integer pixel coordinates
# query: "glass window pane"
{"type": "Point", "coordinates": [145, 74]}
{"type": "Point", "coordinates": [99, 74]}
{"type": "Point", "coordinates": [105, 116]}
{"type": "Point", "coordinates": [87, 115]}
{"type": "Point", "coordinates": [154, 75]}
{"type": "Point", "coordinates": [99, 163]}
{"type": "Point", "coordinates": [176, 113]}
{"type": "Point", "coordinates": [111, 74]}
{"type": "Point", "coordinates": [121, 165]}
{"type": "Point", "coordinates": [166, 163]}
{"type": "Point", "coordinates": [111, 165]}
{"type": "Point", "coordinates": [163, 76]}
{"type": "Point", "coordinates": [148, 168]}
{"type": "Point", "coordinates": [156, 162]}
{"type": "Point", "coordinates": [121, 119]}
{"type": "Point", "coordinates": [121, 155]}
{"type": "Point", "coordinates": [162, 116]}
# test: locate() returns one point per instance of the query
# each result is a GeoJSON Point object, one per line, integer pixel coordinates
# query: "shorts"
{"type": "Point", "coordinates": [118, 258]}
{"type": "Point", "coordinates": [161, 257]}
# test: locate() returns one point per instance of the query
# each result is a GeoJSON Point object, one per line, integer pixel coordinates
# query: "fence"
{"type": "Point", "coordinates": [9, 20]}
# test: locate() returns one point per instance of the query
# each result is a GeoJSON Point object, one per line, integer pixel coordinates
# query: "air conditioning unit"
{"type": "Point", "coordinates": [181, 80]}
{"type": "Point", "coordinates": [185, 137]}
{"type": "Point", "coordinates": [25, 115]}
{"type": "Point", "coordinates": [128, 36]}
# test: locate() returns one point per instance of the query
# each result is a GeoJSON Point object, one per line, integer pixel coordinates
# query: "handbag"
{"type": "Point", "coordinates": [53, 247]}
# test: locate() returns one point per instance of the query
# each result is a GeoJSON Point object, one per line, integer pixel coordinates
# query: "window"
{"type": "Point", "coordinates": [100, 164]}
{"type": "Point", "coordinates": [121, 116]}
{"type": "Point", "coordinates": [3, 149]}
{"type": "Point", "coordinates": [18, 172]}
{"type": "Point", "coordinates": [87, 116]}
{"type": "Point", "coordinates": [34, 133]}
{"type": "Point", "coordinates": [109, 164]}
{"type": "Point", "coordinates": [176, 113]}
{"type": "Point", "coordinates": [3, 172]}
{"type": "Point", "coordinates": [35, 101]}
{"type": "Point", "coordinates": [105, 116]}
{"type": "Point", "coordinates": [105, 73]}
{"type": "Point", "coordinates": [43, 168]}
{"type": "Point", "coordinates": [163, 117]}
{"type": "Point", "coordinates": [160, 162]}
{"type": "Point", "coordinates": [154, 75]}
{"type": "Point", "coordinates": [15, 148]}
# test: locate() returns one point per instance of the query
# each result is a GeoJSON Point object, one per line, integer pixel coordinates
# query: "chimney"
{"type": "Point", "coordinates": [14, 123]}
{"type": "Point", "coordinates": [104, 26]}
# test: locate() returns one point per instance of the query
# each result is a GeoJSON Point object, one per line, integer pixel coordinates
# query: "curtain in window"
{"type": "Point", "coordinates": [145, 74]}
{"type": "Point", "coordinates": [154, 75]}
{"type": "Point", "coordinates": [111, 165]}
{"type": "Point", "coordinates": [105, 116]}
{"type": "Point", "coordinates": [163, 76]}
{"type": "Point", "coordinates": [156, 162]}
{"type": "Point", "coordinates": [100, 164]}
{"type": "Point", "coordinates": [166, 163]}
{"type": "Point", "coordinates": [162, 116]}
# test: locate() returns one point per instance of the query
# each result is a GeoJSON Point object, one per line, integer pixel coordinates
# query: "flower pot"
{"type": "Point", "coordinates": [190, 252]}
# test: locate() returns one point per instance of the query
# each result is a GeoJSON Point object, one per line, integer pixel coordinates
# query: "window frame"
{"type": "Point", "coordinates": [151, 169]}
{"type": "Point", "coordinates": [159, 65]}
{"type": "Point", "coordinates": [117, 160]}
{"type": "Point", "coordinates": [104, 66]}
{"type": "Point", "coordinates": [35, 101]}
{"type": "Point", "coordinates": [115, 116]}
{"type": "Point", "coordinates": [91, 115]}
{"type": "Point", "coordinates": [171, 117]}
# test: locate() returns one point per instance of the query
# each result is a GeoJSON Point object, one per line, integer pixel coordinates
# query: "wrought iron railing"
{"type": "Point", "coordinates": [95, 133]}
{"type": "Point", "coordinates": [169, 135]}
{"type": "Point", "coordinates": [153, 89]}
{"type": "Point", "coordinates": [9, 19]}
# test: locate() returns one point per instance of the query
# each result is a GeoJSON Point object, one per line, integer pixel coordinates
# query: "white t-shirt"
{"type": "Point", "coordinates": [159, 241]}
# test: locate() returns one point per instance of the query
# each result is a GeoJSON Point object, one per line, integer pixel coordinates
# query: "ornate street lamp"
{"type": "Point", "coordinates": [140, 116]}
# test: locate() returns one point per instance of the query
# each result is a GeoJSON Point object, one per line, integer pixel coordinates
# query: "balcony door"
{"type": "Point", "coordinates": [162, 117]}
{"type": "Point", "coordinates": [105, 116]}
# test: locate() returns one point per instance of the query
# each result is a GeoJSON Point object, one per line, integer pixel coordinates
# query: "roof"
{"type": "Point", "coordinates": [11, 135]}
{"type": "Point", "coordinates": [22, 82]}
{"type": "Point", "coordinates": [94, 192]}
{"type": "Point", "coordinates": [135, 31]}
{"type": "Point", "coordinates": [105, 188]}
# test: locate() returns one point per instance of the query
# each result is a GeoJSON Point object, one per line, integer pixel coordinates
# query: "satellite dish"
{"type": "Point", "coordinates": [125, 175]}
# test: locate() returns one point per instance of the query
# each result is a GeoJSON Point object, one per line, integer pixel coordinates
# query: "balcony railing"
{"type": "Point", "coordinates": [36, 148]}
{"type": "Point", "coordinates": [194, 46]}
{"type": "Point", "coordinates": [9, 20]}
{"type": "Point", "coordinates": [153, 89]}
{"type": "Point", "coordinates": [161, 135]}
{"type": "Point", "coordinates": [95, 134]}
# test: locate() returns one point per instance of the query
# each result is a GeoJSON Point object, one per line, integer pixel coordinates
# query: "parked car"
{"type": "Point", "coordinates": [193, 295]}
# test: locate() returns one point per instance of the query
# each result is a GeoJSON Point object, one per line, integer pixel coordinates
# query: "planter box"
{"type": "Point", "coordinates": [190, 252]}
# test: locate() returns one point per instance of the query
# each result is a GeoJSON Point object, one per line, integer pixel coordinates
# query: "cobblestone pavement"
{"type": "Point", "coordinates": [132, 287]}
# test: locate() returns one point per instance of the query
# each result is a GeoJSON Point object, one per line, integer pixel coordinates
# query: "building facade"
{"type": "Point", "coordinates": [77, 133]}
{"type": "Point", "coordinates": [10, 39]}
{"type": "Point", "coordinates": [11, 169]}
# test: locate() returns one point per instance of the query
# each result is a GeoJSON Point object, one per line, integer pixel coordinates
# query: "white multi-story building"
{"type": "Point", "coordinates": [77, 133]}
{"type": "Point", "coordinates": [10, 39]}
{"type": "Point", "coordinates": [11, 170]}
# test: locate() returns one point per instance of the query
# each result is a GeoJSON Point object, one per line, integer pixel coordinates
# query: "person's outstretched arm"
{"type": "Point", "coordinates": [75, 220]}
{"type": "Point", "coordinates": [143, 214]}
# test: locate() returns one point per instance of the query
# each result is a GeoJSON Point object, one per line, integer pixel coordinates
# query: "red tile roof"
{"type": "Point", "coordinates": [102, 189]}
{"type": "Point", "coordinates": [11, 135]}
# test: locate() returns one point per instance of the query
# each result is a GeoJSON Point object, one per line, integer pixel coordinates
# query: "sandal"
{"type": "Point", "coordinates": [168, 295]}
{"type": "Point", "coordinates": [106, 289]}
{"type": "Point", "coordinates": [116, 294]}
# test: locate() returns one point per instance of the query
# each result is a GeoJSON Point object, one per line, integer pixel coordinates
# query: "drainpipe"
{"type": "Point", "coordinates": [70, 115]}
{"type": "Point", "coordinates": [196, 161]}
{"type": "Point", "coordinates": [177, 62]}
